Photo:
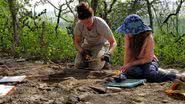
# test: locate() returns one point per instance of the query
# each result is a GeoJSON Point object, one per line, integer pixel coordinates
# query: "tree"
{"type": "Point", "coordinates": [104, 9]}
{"type": "Point", "coordinates": [167, 16]}
{"type": "Point", "coordinates": [150, 12]}
{"type": "Point", "coordinates": [62, 11]}
{"type": "Point", "coordinates": [13, 11]}
{"type": "Point", "coordinates": [94, 5]}
{"type": "Point", "coordinates": [176, 13]}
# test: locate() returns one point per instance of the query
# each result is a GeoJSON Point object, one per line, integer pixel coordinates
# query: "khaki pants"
{"type": "Point", "coordinates": [94, 62]}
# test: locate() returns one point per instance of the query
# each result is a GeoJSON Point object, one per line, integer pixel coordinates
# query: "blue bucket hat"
{"type": "Point", "coordinates": [133, 25]}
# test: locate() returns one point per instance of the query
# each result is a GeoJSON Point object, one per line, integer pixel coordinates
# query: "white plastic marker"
{"type": "Point", "coordinates": [7, 79]}
{"type": "Point", "coordinates": [5, 89]}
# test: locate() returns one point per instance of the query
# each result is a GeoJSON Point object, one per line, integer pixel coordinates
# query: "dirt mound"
{"type": "Point", "coordinates": [63, 84]}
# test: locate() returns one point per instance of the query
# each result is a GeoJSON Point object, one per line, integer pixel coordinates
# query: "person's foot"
{"type": "Point", "coordinates": [181, 77]}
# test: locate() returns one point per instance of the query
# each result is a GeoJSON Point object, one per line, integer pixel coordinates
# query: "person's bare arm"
{"type": "Point", "coordinates": [113, 43]}
{"type": "Point", "coordinates": [77, 41]}
{"type": "Point", "coordinates": [148, 56]}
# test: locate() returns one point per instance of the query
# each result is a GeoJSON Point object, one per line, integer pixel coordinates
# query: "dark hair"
{"type": "Point", "coordinates": [137, 42]}
{"type": "Point", "coordinates": [84, 11]}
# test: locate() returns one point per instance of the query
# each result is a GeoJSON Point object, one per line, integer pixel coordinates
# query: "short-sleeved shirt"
{"type": "Point", "coordinates": [97, 35]}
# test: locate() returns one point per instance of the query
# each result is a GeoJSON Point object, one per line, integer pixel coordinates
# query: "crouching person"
{"type": "Point", "coordinates": [93, 39]}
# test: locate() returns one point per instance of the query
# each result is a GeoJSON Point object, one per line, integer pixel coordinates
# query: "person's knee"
{"type": "Point", "coordinates": [77, 65]}
{"type": "Point", "coordinates": [82, 65]}
{"type": "Point", "coordinates": [96, 65]}
{"type": "Point", "coordinates": [152, 74]}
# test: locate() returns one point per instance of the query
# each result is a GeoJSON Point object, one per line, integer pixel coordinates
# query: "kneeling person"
{"type": "Point", "coordinates": [93, 39]}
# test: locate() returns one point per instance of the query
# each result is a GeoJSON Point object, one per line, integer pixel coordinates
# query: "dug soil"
{"type": "Point", "coordinates": [61, 83]}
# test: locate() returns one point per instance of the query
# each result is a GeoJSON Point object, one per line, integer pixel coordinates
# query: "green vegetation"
{"type": "Point", "coordinates": [170, 50]}
{"type": "Point", "coordinates": [34, 35]}
{"type": "Point", "coordinates": [53, 46]}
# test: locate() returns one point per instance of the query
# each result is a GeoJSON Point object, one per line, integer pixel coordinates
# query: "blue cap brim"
{"type": "Point", "coordinates": [121, 29]}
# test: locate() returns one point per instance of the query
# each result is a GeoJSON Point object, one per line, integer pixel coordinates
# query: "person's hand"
{"type": "Point", "coordinates": [122, 76]}
{"type": "Point", "coordinates": [124, 68]}
{"type": "Point", "coordinates": [84, 53]}
{"type": "Point", "coordinates": [107, 57]}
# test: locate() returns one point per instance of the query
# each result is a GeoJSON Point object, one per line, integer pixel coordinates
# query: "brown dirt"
{"type": "Point", "coordinates": [62, 84]}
